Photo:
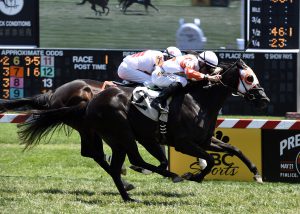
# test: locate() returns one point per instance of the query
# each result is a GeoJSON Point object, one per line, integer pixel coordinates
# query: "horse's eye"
{"type": "Point", "coordinates": [249, 79]}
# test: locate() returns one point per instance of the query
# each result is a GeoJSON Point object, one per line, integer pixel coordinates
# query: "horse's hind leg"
{"type": "Point", "coordinates": [93, 7]}
{"type": "Point", "coordinates": [220, 146]}
{"type": "Point", "coordinates": [126, 5]}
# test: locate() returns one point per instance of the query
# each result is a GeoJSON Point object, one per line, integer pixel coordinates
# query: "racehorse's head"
{"type": "Point", "coordinates": [242, 81]}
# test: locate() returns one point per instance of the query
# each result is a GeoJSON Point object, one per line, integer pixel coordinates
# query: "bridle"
{"type": "Point", "coordinates": [248, 94]}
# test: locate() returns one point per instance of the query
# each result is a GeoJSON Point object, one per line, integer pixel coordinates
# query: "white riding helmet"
{"type": "Point", "coordinates": [209, 58]}
{"type": "Point", "coordinates": [172, 52]}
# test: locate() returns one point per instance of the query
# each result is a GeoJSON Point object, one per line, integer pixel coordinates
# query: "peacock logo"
{"type": "Point", "coordinates": [11, 7]}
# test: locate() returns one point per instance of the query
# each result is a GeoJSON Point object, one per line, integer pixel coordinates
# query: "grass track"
{"type": "Point", "coordinates": [63, 24]}
{"type": "Point", "coordinates": [54, 178]}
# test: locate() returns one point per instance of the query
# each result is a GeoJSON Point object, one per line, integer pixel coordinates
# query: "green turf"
{"type": "Point", "coordinates": [63, 24]}
{"type": "Point", "coordinates": [54, 178]}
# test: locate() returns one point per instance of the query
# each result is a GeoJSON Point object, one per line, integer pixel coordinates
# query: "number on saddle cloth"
{"type": "Point", "coordinates": [142, 98]}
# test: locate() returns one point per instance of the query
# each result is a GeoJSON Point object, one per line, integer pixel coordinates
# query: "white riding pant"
{"type": "Point", "coordinates": [163, 79]}
{"type": "Point", "coordinates": [127, 73]}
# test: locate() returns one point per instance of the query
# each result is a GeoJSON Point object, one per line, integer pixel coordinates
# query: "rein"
{"type": "Point", "coordinates": [247, 95]}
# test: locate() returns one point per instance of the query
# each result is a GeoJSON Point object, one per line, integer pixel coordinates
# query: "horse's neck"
{"type": "Point", "coordinates": [210, 100]}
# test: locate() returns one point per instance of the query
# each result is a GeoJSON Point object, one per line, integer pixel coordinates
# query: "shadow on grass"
{"type": "Point", "coordinates": [73, 192]}
{"type": "Point", "coordinates": [98, 18]}
{"type": "Point", "coordinates": [165, 194]}
{"type": "Point", "coordinates": [137, 13]}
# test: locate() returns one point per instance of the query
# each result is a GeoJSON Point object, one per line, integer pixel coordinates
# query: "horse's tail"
{"type": "Point", "coordinates": [37, 102]}
{"type": "Point", "coordinates": [44, 122]}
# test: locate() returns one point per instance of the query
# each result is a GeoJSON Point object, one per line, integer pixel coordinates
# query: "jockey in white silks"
{"type": "Point", "coordinates": [139, 66]}
{"type": "Point", "coordinates": [175, 73]}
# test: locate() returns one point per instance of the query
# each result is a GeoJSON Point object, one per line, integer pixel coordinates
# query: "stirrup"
{"type": "Point", "coordinates": [158, 106]}
{"type": "Point", "coordinates": [163, 110]}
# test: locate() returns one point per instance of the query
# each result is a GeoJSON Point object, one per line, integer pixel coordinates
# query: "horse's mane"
{"type": "Point", "coordinates": [226, 65]}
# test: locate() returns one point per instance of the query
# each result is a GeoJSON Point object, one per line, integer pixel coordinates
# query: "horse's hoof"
{"type": "Point", "coordinates": [191, 177]}
{"type": "Point", "coordinates": [129, 187]}
{"type": "Point", "coordinates": [177, 179]}
{"type": "Point", "coordinates": [258, 179]}
{"type": "Point", "coordinates": [187, 176]}
{"type": "Point", "coordinates": [131, 200]}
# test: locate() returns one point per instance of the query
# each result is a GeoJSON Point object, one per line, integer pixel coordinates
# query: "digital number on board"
{"type": "Point", "coordinates": [273, 24]}
{"type": "Point", "coordinates": [17, 70]}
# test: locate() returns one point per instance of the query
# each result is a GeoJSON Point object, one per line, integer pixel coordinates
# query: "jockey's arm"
{"type": "Point", "coordinates": [195, 75]}
{"type": "Point", "coordinates": [190, 72]}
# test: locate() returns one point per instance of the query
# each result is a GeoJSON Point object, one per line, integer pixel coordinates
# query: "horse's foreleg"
{"type": "Point", "coordinates": [92, 146]}
{"type": "Point", "coordinates": [151, 5]}
{"type": "Point", "coordinates": [136, 160]}
{"type": "Point", "coordinates": [220, 146]}
{"type": "Point", "coordinates": [156, 151]}
{"type": "Point", "coordinates": [194, 150]}
{"type": "Point", "coordinates": [118, 158]}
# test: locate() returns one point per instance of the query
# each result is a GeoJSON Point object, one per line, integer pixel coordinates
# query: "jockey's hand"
{"type": "Point", "coordinates": [214, 78]}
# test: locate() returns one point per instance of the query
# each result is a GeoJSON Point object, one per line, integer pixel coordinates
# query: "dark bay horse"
{"type": "Point", "coordinates": [101, 3]}
{"type": "Point", "coordinates": [72, 96]}
{"type": "Point", "coordinates": [193, 114]}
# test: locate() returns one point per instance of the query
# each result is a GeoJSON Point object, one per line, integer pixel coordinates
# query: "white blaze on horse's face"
{"type": "Point", "coordinates": [248, 80]}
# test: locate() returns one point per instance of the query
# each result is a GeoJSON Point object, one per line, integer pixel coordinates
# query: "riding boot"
{"type": "Point", "coordinates": [160, 102]}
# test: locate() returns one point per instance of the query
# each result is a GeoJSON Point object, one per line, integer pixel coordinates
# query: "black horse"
{"type": "Point", "coordinates": [193, 114]}
{"type": "Point", "coordinates": [101, 3]}
{"type": "Point", "coordinates": [127, 3]}
{"type": "Point", "coordinates": [191, 123]}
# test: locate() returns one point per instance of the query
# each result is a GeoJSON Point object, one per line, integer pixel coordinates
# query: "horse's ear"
{"type": "Point", "coordinates": [241, 64]}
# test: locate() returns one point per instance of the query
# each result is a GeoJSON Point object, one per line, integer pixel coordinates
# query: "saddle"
{"type": "Point", "coordinates": [142, 98]}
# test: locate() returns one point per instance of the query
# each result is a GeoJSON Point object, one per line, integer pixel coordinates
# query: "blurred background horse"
{"type": "Point", "coordinates": [101, 3]}
{"type": "Point", "coordinates": [125, 4]}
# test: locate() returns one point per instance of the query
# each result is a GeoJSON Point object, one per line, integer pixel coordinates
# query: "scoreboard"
{"type": "Point", "coordinates": [277, 74]}
{"type": "Point", "coordinates": [272, 24]}
{"type": "Point", "coordinates": [28, 72]}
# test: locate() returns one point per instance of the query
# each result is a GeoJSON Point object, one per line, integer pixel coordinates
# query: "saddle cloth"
{"type": "Point", "coordinates": [142, 98]}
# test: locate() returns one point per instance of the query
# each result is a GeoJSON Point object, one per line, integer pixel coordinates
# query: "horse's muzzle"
{"type": "Point", "coordinates": [258, 97]}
